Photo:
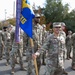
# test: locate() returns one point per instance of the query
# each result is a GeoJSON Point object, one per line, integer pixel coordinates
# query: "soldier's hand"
{"type": "Point", "coordinates": [34, 56]}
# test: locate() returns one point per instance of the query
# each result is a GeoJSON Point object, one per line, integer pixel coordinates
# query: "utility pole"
{"type": "Point", "coordinates": [5, 15]}
{"type": "Point", "coordinates": [14, 9]}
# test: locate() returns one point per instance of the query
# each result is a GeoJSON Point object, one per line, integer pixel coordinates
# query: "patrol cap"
{"type": "Point", "coordinates": [44, 26]}
{"type": "Point", "coordinates": [69, 31]}
{"type": "Point", "coordinates": [37, 15]}
{"type": "Point", "coordinates": [10, 26]}
{"type": "Point", "coordinates": [56, 24]}
{"type": "Point", "coordinates": [63, 24]}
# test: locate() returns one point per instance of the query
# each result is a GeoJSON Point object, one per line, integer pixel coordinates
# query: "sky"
{"type": "Point", "coordinates": [7, 7]}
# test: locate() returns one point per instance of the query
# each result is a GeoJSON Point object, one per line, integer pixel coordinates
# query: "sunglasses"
{"type": "Point", "coordinates": [57, 27]}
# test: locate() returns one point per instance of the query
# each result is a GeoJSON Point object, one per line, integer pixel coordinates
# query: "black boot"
{"type": "Point", "coordinates": [64, 72]}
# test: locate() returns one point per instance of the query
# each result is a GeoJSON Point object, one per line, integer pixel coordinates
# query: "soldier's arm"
{"type": "Point", "coordinates": [2, 39]}
{"type": "Point", "coordinates": [45, 46]}
{"type": "Point", "coordinates": [12, 37]}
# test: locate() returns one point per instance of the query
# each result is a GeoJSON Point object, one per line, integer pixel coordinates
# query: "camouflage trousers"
{"type": "Point", "coordinates": [69, 48]}
{"type": "Point", "coordinates": [13, 56]}
{"type": "Point", "coordinates": [30, 64]}
{"type": "Point", "coordinates": [50, 70]}
{"type": "Point", "coordinates": [73, 58]}
{"type": "Point", "coordinates": [54, 66]}
{"type": "Point", "coordinates": [1, 51]}
{"type": "Point", "coordinates": [7, 51]}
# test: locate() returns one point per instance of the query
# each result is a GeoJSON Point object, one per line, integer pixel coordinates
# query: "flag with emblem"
{"type": "Point", "coordinates": [26, 17]}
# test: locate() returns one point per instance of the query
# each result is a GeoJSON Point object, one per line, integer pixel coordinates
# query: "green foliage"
{"type": "Point", "coordinates": [55, 11]}
{"type": "Point", "coordinates": [70, 20]}
{"type": "Point", "coordinates": [12, 21]}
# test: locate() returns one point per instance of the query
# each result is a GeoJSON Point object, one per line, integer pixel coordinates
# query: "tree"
{"type": "Point", "coordinates": [55, 10]}
{"type": "Point", "coordinates": [70, 20]}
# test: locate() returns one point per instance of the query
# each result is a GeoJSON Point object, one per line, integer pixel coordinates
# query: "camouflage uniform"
{"type": "Point", "coordinates": [1, 44]}
{"type": "Point", "coordinates": [25, 43]}
{"type": "Point", "coordinates": [69, 45]}
{"type": "Point", "coordinates": [44, 35]}
{"type": "Point", "coordinates": [54, 59]}
{"type": "Point", "coordinates": [7, 45]}
{"type": "Point", "coordinates": [38, 30]}
{"type": "Point", "coordinates": [17, 48]}
{"type": "Point", "coordinates": [62, 33]}
{"type": "Point", "coordinates": [73, 43]}
{"type": "Point", "coordinates": [54, 45]}
{"type": "Point", "coordinates": [30, 50]}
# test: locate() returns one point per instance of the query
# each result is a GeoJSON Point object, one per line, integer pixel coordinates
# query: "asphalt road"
{"type": "Point", "coordinates": [5, 70]}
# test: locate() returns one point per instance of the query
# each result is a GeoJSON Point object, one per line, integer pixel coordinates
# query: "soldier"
{"type": "Point", "coordinates": [7, 45]}
{"type": "Point", "coordinates": [1, 45]}
{"type": "Point", "coordinates": [38, 29]}
{"type": "Point", "coordinates": [54, 45]}
{"type": "Point", "coordinates": [25, 44]}
{"type": "Point", "coordinates": [17, 48]}
{"type": "Point", "coordinates": [44, 35]}
{"type": "Point", "coordinates": [30, 50]}
{"type": "Point", "coordinates": [62, 33]}
{"type": "Point", "coordinates": [69, 44]}
{"type": "Point", "coordinates": [73, 58]}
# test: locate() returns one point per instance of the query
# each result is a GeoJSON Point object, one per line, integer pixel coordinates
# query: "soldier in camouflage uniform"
{"type": "Point", "coordinates": [69, 44]}
{"type": "Point", "coordinates": [7, 45]}
{"type": "Point", "coordinates": [44, 35]}
{"type": "Point", "coordinates": [62, 33]}
{"type": "Point", "coordinates": [73, 58]}
{"type": "Point", "coordinates": [1, 44]}
{"type": "Point", "coordinates": [17, 48]}
{"type": "Point", "coordinates": [30, 50]}
{"type": "Point", "coordinates": [37, 40]}
{"type": "Point", "coordinates": [38, 29]}
{"type": "Point", "coordinates": [54, 45]}
{"type": "Point", "coordinates": [25, 43]}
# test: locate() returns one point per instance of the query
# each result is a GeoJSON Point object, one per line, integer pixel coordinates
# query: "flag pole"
{"type": "Point", "coordinates": [34, 60]}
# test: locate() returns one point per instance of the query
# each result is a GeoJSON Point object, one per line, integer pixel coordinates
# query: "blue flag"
{"type": "Point", "coordinates": [26, 18]}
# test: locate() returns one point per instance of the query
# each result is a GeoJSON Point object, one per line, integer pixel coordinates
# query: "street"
{"type": "Point", "coordinates": [5, 70]}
